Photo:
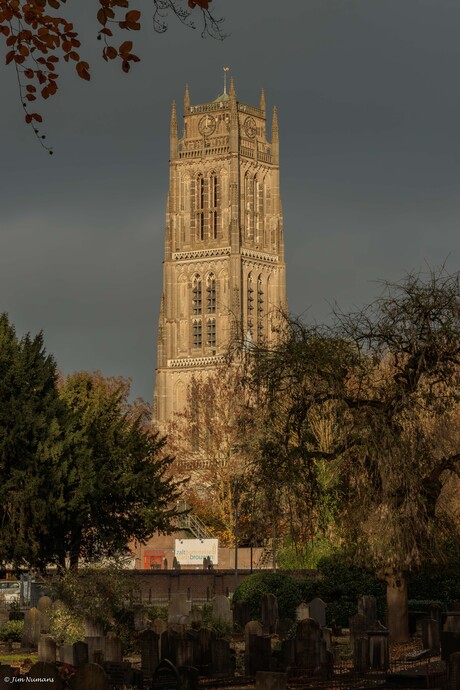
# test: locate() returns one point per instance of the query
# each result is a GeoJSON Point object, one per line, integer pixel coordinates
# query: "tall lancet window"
{"type": "Point", "coordinates": [196, 295]}
{"type": "Point", "coordinates": [260, 310]}
{"type": "Point", "coordinates": [250, 306]}
{"type": "Point", "coordinates": [259, 210]}
{"type": "Point", "coordinates": [200, 206]}
{"type": "Point", "coordinates": [249, 204]}
{"type": "Point", "coordinates": [211, 294]}
{"type": "Point", "coordinates": [213, 205]}
{"type": "Point", "coordinates": [211, 333]}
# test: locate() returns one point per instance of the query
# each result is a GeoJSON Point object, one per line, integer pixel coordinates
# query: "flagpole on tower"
{"type": "Point", "coordinates": [226, 69]}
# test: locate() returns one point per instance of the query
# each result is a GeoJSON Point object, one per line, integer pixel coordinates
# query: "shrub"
{"type": "Point", "coordinates": [11, 631]}
{"type": "Point", "coordinates": [287, 590]}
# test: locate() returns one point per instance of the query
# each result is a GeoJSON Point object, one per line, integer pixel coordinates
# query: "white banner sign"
{"type": "Point", "coordinates": [192, 551]}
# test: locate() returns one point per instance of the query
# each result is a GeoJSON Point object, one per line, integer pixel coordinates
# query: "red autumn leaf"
{"type": "Point", "coordinates": [5, 30]}
{"type": "Point", "coordinates": [82, 70]}
{"type": "Point", "coordinates": [104, 31]}
{"type": "Point", "coordinates": [30, 97]}
{"type": "Point", "coordinates": [132, 16]}
{"type": "Point", "coordinates": [125, 66]}
{"type": "Point", "coordinates": [30, 88]}
{"type": "Point", "coordinates": [54, 4]}
{"type": "Point", "coordinates": [133, 26]}
{"type": "Point", "coordinates": [28, 119]}
{"type": "Point", "coordinates": [125, 47]}
{"type": "Point", "coordinates": [45, 92]}
{"type": "Point", "coordinates": [111, 52]}
{"type": "Point", "coordinates": [37, 117]}
{"type": "Point", "coordinates": [102, 17]}
{"type": "Point", "coordinates": [29, 73]}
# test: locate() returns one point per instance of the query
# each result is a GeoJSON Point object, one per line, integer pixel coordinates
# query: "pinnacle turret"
{"type": "Point", "coordinates": [186, 100]}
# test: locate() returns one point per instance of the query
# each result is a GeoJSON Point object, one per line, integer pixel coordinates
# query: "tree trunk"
{"type": "Point", "coordinates": [397, 606]}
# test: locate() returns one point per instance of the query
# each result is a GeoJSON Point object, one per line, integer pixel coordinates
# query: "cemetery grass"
{"type": "Point", "coordinates": [17, 658]}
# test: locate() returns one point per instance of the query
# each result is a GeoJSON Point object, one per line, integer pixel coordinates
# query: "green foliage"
{"type": "Point", "coordinates": [443, 583]}
{"type": "Point", "coordinates": [304, 556]}
{"type": "Point", "coordinates": [221, 628]}
{"type": "Point", "coordinates": [30, 438]}
{"type": "Point", "coordinates": [101, 594]}
{"type": "Point", "coordinates": [11, 631]}
{"type": "Point", "coordinates": [15, 612]}
{"type": "Point", "coordinates": [423, 604]}
{"type": "Point", "coordinates": [287, 589]}
{"type": "Point", "coordinates": [341, 585]}
{"type": "Point", "coordinates": [66, 626]}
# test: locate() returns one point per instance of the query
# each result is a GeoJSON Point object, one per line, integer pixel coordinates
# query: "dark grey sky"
{"type": "Point", "coordinates": [368, 97]}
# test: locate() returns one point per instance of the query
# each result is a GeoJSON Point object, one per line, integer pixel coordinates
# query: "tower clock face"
{"type": "Point", "coordinates": [250, 127]}
{"type": "Point", "coordinates": [206, 125]}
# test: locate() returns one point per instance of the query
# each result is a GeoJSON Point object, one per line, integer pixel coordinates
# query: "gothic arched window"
{"type": "Point", "coordinates": [250, 304]}
{"type": "Point", "coordinates": [213, 205]}
{"type": "Point", "coordinates": [196, 295]}
{"type": "Point", "coordinates": [200, 205]}
{"type": "Point", "coordinates": [260, 309]}
{"type": "Point", "coordinates": [211, 294]}
{"type": "Point", "coordinates": [249, 204]}
{"type": "Point", "coordinates": [211, 333]}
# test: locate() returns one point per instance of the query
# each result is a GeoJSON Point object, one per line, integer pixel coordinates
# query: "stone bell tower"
{"type": "Point", "coordinates": [223, 270]}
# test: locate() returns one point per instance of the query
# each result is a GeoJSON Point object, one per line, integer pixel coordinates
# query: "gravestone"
{"type": "Point", "coordinates": [430, 635]}
{"type": "Point", "coordinates": [103, 648]}
{"type": "Point", "coordinates": [203, 657]}
{"type": "Point", "coordinates": [195, 618]}
{"type": "Point", "coordinates": [302, 612]}
{"type": "Point", "coordinates": [379, 654]}
{"type": "Point", "coordinates": [269, 613]}
{"type": "Point", "coordinates": [258, 654]}
{"type": "Point", "coordinates": [44, 605]}
{"type": "Point", "coordinates": [252, 628]}
{"type": "Point", "coordinates": [32, 628]}
{"type": "Point", "coordinates": [452, 622]}
{"type": "Point", "coordinates": [307, 644]}
{"type": "Point", "coordinates": [113, 650]}
{"type": "Point", "coordinates": [222, 659]}
{"type": "Point", "coordinates": [159, 626]}
{"type": "Point", "coordinates": [318, 611]}
{"type": "Point", "coordinates": [47, 649]}
{"type": "Point", "coordinates": [75, 654]}
{"type": "Point", "coordinates": [326, 634]}
{"type": "Point", "coordinates": [184, 651]}
{"type": "Point", "coordinates": [51, 678]}
{"type": "Point", "coordinates": [269, 680]}
{"type": "Point", "coordinates": [189, 677]}
{"type": "Point", "coordinates": [358, 627]}
{"type": "Point", "coordinates": [367, 607]}
{"type": "Point", "coordinates": [166, 677]}
{"type": "Point", "coordinates": [6, 672]}
{"type": "Point", "coordinates": [454, 671]}
{"type": "Point", "coordinates": [221, 610]}
{"type": "Point", "coordinates": [288, 652]}
{"type": "Point", "coordinates": [178, 606]}
{"type": "Point", "coordinates": [361, 654]}
{"type": "Point", "coordinates": [450, 644]}
{"type": "Point", "coordinates": [90, 677]}
{"type": "Point", "coordinates": [241, 614]}
{"type": "Point", "coordinates": [150, 652]}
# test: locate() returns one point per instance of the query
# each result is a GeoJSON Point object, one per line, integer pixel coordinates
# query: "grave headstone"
{"type": "Point", "coordinates": [75, 654]}
{"type": "Point", "coordinates": [6, 672]}
{"type": "Point", "coordinates": [454, 671]}
{"type": "Point", "coordinates": [32, 628]}
{"type": "Point", "coordinates": [113, 650]}
{"type": "Point", "coordinates": [430, 635]}
{"type": "Point", "coordinates": [288, 649]}
{"type": "Point", "coordinates": [307, 644]}
{"type": "Point", "coordinates": [241, 614]}
{"type": "Point", "coordinates": [269, 680]}
{"type": "Point", "coordinates": [203, 656]}
{"type": "Point", "coordinates": [302, 612]}
{"type": "Point", "coordinates": [379, 653]}
{"type": "Point", "coordinates": [222, 658]}
{"type": "Point", "coordinates": [166, 677]}
{"type": "Point", "coordinates": [184, 651]}
{"type": "Point", "coordinates": [178, 605]}
{"type": "Point", "coordinates": [358, 627]}
{"type": "Point", "coordinates": [326, 634]}
{"type": "Point", "coordinates": [258, 654]}
{"type": "Point", "coordinates": [44, 605]}
{"type": "Point", "coordinates": [252, 628]}
{"type": "Point", "coordinates": [367, 607]}
{"type": "Point", "coordinates": [318, 611]}
{"type": "Point", "coordinates": [49, 675]}
{"type": "Point", "coordinates": [90, 677]}
{"type": "Point", "coordinates": [361, 654]}
{"type": "Point", "coordinates": [450, 644]}
{"type": "Point", "coordinates": [47, 649]}
{"type": "Point", "coordinates": [150, 652]}
{"type": "Point", "coordinates": [189, 677]}
{"type": "Point", "coordinates": [269, 613]}
{"type": "Point", "coordinates": [221, 610]}
{"type": "Point", "coordinates": [103, 648]}
{"type": "Point", "coordinates": [452, 622]}
{"type": "Point", "coordinates": [159, 626]}
{"type": "Point", "coordinates": [195, 618]}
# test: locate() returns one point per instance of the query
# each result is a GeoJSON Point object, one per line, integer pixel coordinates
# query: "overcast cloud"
{"type": "Point", "coordinates": [368, 100]}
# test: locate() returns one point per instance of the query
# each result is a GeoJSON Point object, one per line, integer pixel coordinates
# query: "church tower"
{"type": "Point", "coordinates": [223, 270]}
